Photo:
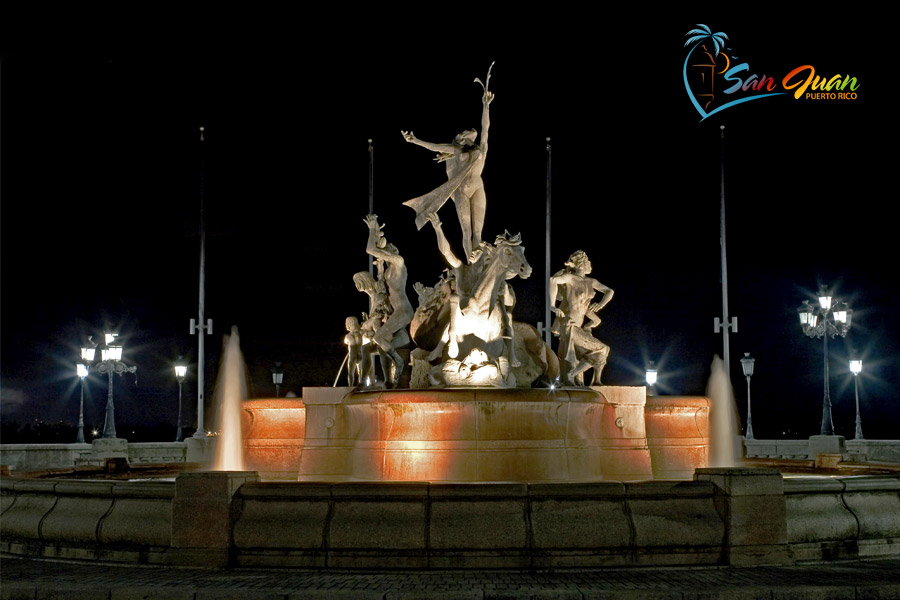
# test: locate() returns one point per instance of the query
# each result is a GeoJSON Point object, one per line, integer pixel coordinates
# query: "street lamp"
{"type": "Point", "coordinates": [110, 362]}
{"type": "Point", "coordinates": [747, 365]}
{"type": "Point", "coordinates": [856, 368]}
{"type": "Point", "coordinates": [651, 379]}
{"type": "Point", "coordinates": [277, 377]}
{"type": "Point", "coordinates": [82, 370]}
{"type": "Point", "coordinates": [180, 372]}
{"type": "Point", "coordinates": [825, 320]}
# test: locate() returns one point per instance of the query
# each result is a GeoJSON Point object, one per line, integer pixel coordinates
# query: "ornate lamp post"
{"type": "Point", "coordinates": [824, 321]}
{"type": "Point", "coordinates": [87, 358]}
{"type": "Point", "coordinates": [180, 372]}
{"type": "Point", "coordinates": [277, 378]}
{"type": "Point", "coordinates": [856, 368]}
{"type": "Point", "coordinates": [651, 379]}
{"type": "Point", "coordinates": [82, 370]}
{"type": "Point", "coordinates": [747, 365]}
{"type": "Point", "coordinates": [110, 362]}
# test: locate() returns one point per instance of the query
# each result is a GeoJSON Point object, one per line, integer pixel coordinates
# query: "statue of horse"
{"type": "Point", "coordinates": [478, 338]}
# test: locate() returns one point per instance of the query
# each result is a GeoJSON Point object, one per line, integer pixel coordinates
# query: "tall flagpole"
{"type": "Point", "coordinates": [548, 336]}
{"type": "Point", "coordinates": [371, 195]}
{"type": "Point", "coordinates": [727, 324]}
{"type": "Point", "coordinates": [201, 327]}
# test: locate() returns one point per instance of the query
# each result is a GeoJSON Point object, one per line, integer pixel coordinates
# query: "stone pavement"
{"type": "Point", "coordinates": [44, 580]}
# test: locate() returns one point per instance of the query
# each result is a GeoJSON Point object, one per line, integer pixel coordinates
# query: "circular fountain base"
{"type": "Point", "coordinates": [475, 435]}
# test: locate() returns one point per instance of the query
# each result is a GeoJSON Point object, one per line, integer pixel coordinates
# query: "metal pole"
{"type": "Point", "coordinates": [749, 435]}
{"type": "Point", "coordinates": [109, 428]}
{"type": "Point", "coordinates": [80, 438]}
{"type": "Point", "coordinates": [178, 435]}
{"type": "Point", "coordinates": [859, 433]}
{"type": "Point", "coordinates": [725, 320]}
{"type": "Point", "coordinates": [827, 425]}
{"type": "Point", "coordinates": [548, 336]}
{"type": "Point", "coordinates": [371, 195]}
{"type": "Point", "coordinates": [201, 430]}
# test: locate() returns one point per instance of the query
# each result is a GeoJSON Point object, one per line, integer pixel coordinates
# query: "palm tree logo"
{"type": "Point", "coordinates": [708, 46]}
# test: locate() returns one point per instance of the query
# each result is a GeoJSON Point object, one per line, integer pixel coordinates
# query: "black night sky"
{"type": "Point", "coordinates": [101, 185]}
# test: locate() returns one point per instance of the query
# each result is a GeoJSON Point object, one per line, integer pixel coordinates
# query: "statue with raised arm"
{"type": "Point", "coordinates": [578, 350]}
{"type": "Point", "coordinates": [465, 163]}
{"type": "Point", "coordinates": [391, 333]}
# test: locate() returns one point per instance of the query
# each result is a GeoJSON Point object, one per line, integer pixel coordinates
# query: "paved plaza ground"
{"type": "Point", "coordinates": [44, 580]}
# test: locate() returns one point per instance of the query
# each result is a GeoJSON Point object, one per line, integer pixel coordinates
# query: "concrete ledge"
{"type": "Point", "coordinates": [839, 518]}
{"type": "Point", "coordinates": [727, 516]}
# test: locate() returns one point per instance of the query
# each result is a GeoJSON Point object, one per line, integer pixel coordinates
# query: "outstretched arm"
{"type": "Point", "coordinates": [485, 119]}
{"type": "Point", "coordinates": [374, 236]}
{"type": "Point", "coordinates": [443, 244]}
{"type": "Point", "coordinates": [410, 137]}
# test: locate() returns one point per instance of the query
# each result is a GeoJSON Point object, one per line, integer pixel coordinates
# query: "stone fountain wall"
{"type": "Point", "coordinates": [475, 434]}
{"type": "Point", "coordinates": [723, 516]}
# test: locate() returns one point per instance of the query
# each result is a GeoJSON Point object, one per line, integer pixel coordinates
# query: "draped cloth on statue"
{"type": "Point", "coordinates": [435, 199]}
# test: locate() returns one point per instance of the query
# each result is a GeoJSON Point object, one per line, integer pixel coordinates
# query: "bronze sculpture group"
{"type": "Point", "coordinates": [463, 327]}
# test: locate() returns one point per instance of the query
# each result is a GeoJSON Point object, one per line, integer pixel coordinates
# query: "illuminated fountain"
{"type": "Point", "coordinates": [724, 445]}
{"type": "Point", "coordinates": [487, 401]}
{"type": "Point", "coordinates": [469, 412]}
{"type": "Point", "coordinates": [231, 391]}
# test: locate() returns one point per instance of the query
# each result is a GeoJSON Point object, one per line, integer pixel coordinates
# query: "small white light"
{"type": "Point", "coordinates": [82, 370]}
{"type": "Point", "coordinates": [855, 366]}
{"type": "Point", "coordinates": [112, 353]}
{"type": "Point", "coordinates": [841, 313]}
{"type": "Point", "coordinates": [651, 376]}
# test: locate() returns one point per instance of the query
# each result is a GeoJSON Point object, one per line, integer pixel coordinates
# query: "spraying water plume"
{"type": "Point", "coordinates": [724, 445]}
{"type": "Point", "coordinates": [231, 391]}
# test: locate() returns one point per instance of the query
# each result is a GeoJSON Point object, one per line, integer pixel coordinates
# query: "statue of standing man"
{"type": "Point", "coordinates": [579, 350]}
{"type": "Point", "coordinates": [465, 162]}
{"type": "Point", "coordinates": [391, 334]}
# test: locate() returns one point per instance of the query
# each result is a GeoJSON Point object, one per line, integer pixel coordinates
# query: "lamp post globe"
{"type": "Point", "coordinates": [277, 378]}
{"type": "Point", "coordinates": [651, 376]}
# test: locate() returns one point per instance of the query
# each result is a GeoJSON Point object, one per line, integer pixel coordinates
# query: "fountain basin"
{"type": "Point", "coordinates": [273, 433]}
{"type": "Point", "coordinates": [495, 435]}
{"type": "Point", "coordinates": [677, 435]}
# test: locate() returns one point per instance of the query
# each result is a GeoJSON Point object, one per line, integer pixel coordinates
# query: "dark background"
{"type": "Point", "coordinates": [101, 179]}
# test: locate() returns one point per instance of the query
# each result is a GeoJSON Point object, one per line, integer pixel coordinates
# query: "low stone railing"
{"type": "Point", "coordinates": [872, 451]}
{"type": "Point", "coordinates": [723, 516]}
{"type": "Point", "coordinates": [77, 519]}
{"type": "Point", "coordinates": [30, 457]}
{"type": "Point", "coordinates": [843, 517]}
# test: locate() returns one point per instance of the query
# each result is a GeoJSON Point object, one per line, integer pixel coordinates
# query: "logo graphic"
{"type": "Point", "coordinates": [715, 80]}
